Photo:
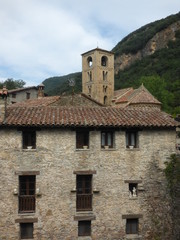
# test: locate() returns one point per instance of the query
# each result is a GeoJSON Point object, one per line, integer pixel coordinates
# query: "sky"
{"type": "Point", "coordinates": [45, 38]}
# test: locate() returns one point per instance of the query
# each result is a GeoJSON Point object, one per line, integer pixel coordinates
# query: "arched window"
{"type": "Point", "coordinates": [89, 60]}
{"type": "Point", "coordinates": [104, 61]}
{"type": "Point", "coordinates": [105, 100]}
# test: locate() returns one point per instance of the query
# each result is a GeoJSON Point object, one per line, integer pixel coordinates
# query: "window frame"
{"type": "Point", "coordinates": [27, 194]}
{"type": "Point", "coordinates": [29, 139]}
{"type": "Point", "coordinates": [31, 225]}
{"type": "Point", "coordinates": [130, 140]}
{"type": "Point", "coordinates": [84, 192]}
{"type": "Point", "coordinates": [82, 139]}
{"type": "Point", "coordinates": [28, 95]}
{"type": "Point", "coordinates": [84, 228]}
{"type": "Point", "coordinates": [112, 137]}
{"type": "Point", "coordinates": [132, 223]}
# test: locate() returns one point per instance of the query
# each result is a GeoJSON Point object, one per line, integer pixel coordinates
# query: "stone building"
{"type": "Point", "coordinates": [85, 172]}
{"type": "Point", "coordinates": [22, 94]}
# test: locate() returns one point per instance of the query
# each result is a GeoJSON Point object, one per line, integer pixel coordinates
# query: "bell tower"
{"type": "Point", "coordinates": [98, 75]}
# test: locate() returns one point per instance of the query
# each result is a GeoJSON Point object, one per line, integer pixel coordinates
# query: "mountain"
{"type": "Point", "coordinates": [150, 55]}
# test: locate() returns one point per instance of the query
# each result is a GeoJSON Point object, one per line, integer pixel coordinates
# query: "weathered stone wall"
{"type": "Point", "coordinates": [56, 158]}
{"type": "Point", "coordinates": [21, 96]}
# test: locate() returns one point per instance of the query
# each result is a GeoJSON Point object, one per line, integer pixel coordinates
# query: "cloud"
{"type": "Point", "coordinates": [45, 38]}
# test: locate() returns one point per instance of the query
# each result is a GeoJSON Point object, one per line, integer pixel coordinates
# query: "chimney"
{"type": "Point", "coordinates": [41, 90]}
{"type": "Point", "coordinates": [3, 98]}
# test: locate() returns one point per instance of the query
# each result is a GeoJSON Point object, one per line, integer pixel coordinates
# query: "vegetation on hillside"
{"type": "Point", "coordinates": [139, 38]}
{"type": "Point", "coordinates": [160, 73]}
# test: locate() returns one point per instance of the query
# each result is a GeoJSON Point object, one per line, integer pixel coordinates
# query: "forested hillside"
{"type": "Point", "coordinates": [157, 67]}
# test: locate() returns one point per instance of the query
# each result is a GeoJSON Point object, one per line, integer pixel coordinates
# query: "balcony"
{"type": "Point", "coordinates": [27, 204]}
{"type": "Point", "coordinates": [84, 202]}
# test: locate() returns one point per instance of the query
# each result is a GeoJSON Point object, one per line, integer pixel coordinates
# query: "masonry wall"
{"type": "Point", "coordinates": [21, 95]}
{"type": "Point", "coordinates": [56, 158]}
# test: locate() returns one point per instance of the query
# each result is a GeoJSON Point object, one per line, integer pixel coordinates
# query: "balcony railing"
{"type": "Point", "coordinates": [84, 202]}
{"type": "Point", "coordinates": [27, 203]}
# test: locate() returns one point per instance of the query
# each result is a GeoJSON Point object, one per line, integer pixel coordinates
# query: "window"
{"type": "Point", "coordinates": [107, 139]}
{"type": "Point", "coordinates": [84, 228]}
{"type": "Point", "coordinates": [131, 139]}
{"type": "Point", "coordinates": [105, 76]}
{"type": "Point", "coordinates": [28, 95]}
{"type": "Point", "coordinates": [26, 230]}
{"type": "Point", "coordinates": [84, 192]}
{"type": "Point", "coordinates": [13, 95]}
{"type": "Point", "coordinates": [82, 139]}
{"type": "Point", "coordinates": [89, 60]}
{"type": "Point", "coordinates": [29, 139]}
{"type": "Point", "coordinates": [133, 189]}
{"type": "Point", "coordinates": [104, 60]}
{"type": "Point", "coordinates": [27, 193]}
{"type": "Point", "coordinates": [132, 226]}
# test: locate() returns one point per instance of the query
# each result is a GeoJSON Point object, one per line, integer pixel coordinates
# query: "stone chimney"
{"type": "Point", "coordinates": [41, 90]}
{"type": "Point", "coordinates": [3, 101]}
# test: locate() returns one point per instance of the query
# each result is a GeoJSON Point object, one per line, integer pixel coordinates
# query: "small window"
{"type": "Point", "coordinates": [104, 60]}
{"type": "Point", "coordinates": [28, 95]}
{"type": "Point", "coordinates": [26, 230]}
{"type": "Point", "coordinates": [132, 226]}
{"type": "Point", "coordinates": [13, 95]}
{"type": "Point", "coordinates": [82, 139]}
{"type": "Point", "coordinates": [131, 139]}
{"type": "Point", "coordinates": [105, 75]}
{"type": "Point", "coordinates": [29, 139]}
{"type": "Point", "coordinates": [133, 189]}
{"type": "Point", "coordinates": [107, 139]}
{"type": "Point", "coordinates": [89, 60]}
{"type": "Point", "coordinates": [84, 228]}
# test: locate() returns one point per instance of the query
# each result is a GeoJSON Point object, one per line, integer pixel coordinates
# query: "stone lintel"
{"type": "Point", "coordinates": [133, 181]}
{"type": "Point", "coordinates": [86, 172]}
{"type": "Point", "coordinates": [85, 218]}
{"type": "Point", "coordinates": [26, 220]}
{"type": "Point", "coordinates": [27, 172]}
{"type": "Point", "coordinates": [128, 216]}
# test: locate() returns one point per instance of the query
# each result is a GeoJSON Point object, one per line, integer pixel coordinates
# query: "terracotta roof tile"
{"type": "Point", "coordinates": [37, 102]}
{"type": "Point", "coordinates": [86, 117]}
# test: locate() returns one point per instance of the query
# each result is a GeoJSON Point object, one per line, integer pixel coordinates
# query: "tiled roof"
{"type": "Point", "coordinates": [135, 96]}
{"type": "Point", "coordinates": [37, 102]}
{"type": "Point", "coordinates": [86, 117]}
{"type": "Point", "coordinates": [142, 95]}
{"type": "Point", "coordinates": [21, 89]}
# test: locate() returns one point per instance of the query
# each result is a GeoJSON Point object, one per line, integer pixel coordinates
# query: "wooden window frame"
{"type": "Point", "coordinates": [84, 193]}
{"type": "Point", "coordinates": [29, 139]}
{"type": "Point", "coordinates": [106, 133]}
{"type": "Point", "coordinates": [129, 226]}
{"type": "Point", "coordinates": [84, 228]}
{"type": "Point", "coordinates": [27, 193]}
{"type": "Point", "coordinates": [82, 139]}
{"type": "Point", "coordinates": [129, 139]}
{"type": "Point", "coordinates": [23, 234]}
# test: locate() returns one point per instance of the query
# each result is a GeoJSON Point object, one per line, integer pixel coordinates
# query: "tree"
{"type": "Point", "coordinates": [10, 83]}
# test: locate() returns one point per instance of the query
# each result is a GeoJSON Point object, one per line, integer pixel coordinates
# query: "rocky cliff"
{"type": "Point", "coordinates": [158, 41]}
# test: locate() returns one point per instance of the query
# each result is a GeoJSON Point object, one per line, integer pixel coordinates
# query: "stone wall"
{"type": "Point", "coordinates": [56, 158]}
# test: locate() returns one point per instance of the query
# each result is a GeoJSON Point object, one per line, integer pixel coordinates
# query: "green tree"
{"type": "Point", "coordinates": [10, 83]}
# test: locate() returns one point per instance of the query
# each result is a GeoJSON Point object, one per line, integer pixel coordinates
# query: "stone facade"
{"type": "Point", "coordinates": [56, 162]}
{"type": "Point", "coordinates": [98, 75]}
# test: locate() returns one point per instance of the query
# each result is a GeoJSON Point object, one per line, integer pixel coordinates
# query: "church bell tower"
{"type": "Point", "coordinates": [98, 75]}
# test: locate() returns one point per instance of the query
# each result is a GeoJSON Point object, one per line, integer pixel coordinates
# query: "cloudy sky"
{"type": "Point", "coordinates": [45, 38]}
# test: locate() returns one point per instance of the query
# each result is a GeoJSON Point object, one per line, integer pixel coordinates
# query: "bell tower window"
{"type": "Point", "coordinates": [104, 61]}
{"type": "Point", "coordinates": [89, 60]}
